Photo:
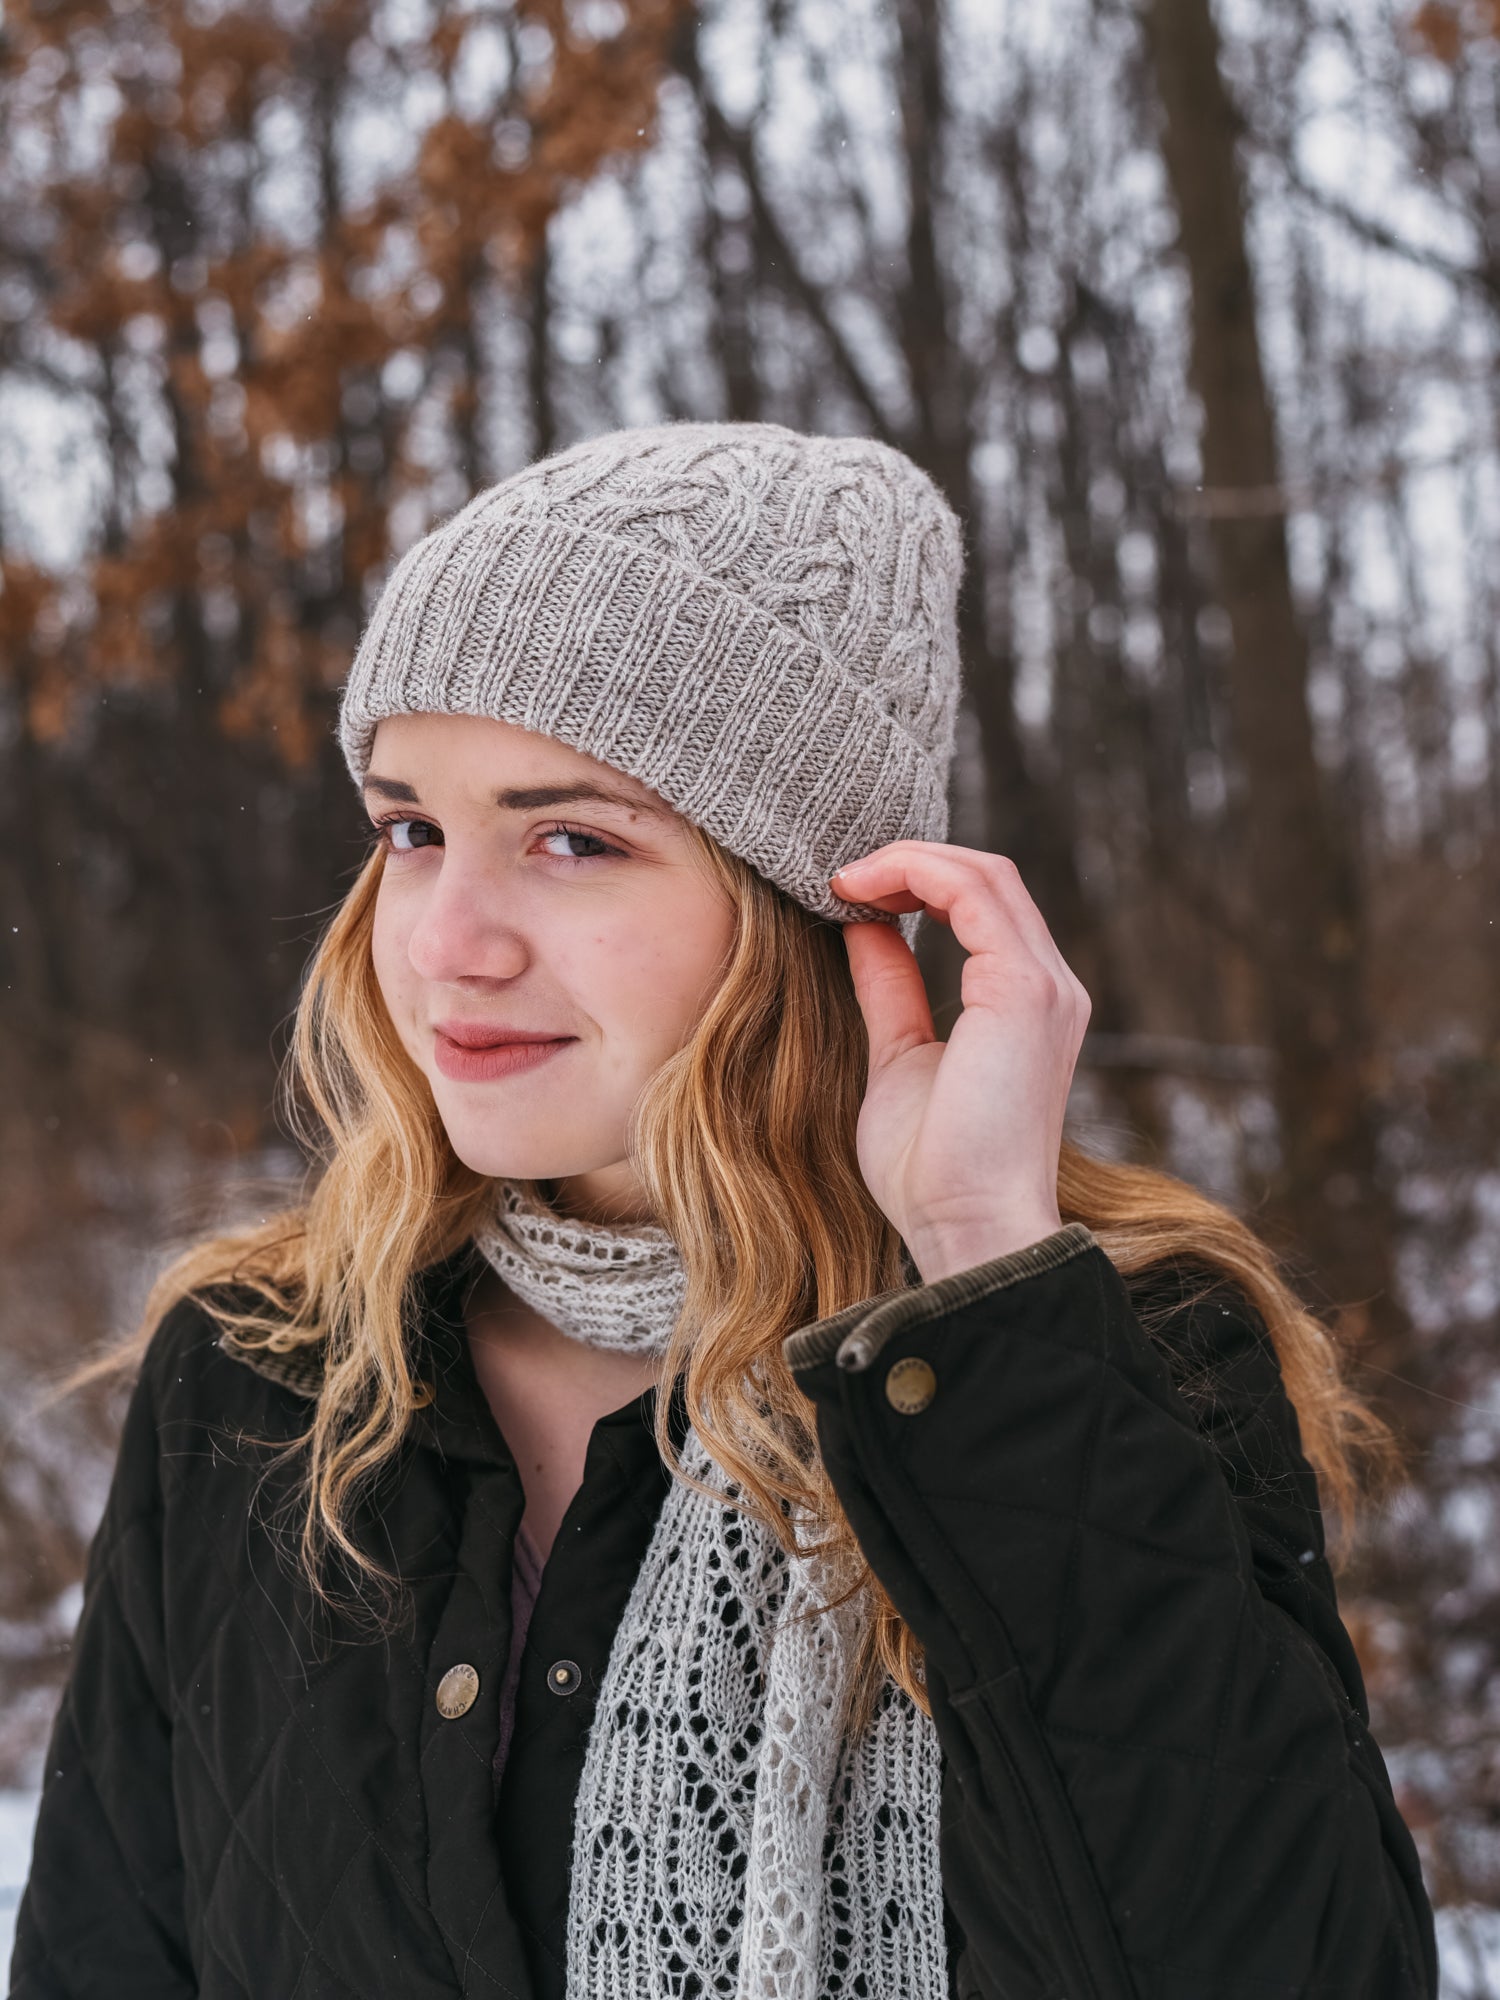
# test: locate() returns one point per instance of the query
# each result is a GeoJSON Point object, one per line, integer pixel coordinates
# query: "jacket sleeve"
{"type": "Point", "coordinates": [1159, 1778]}
{"type": "Point", "coordinates": [101, 1914]}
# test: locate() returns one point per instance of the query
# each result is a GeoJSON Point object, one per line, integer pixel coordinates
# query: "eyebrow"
{"type": "Point", "coordinates": [529, 798]}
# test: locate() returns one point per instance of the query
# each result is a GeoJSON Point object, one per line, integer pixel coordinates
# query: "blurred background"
{"type": "Point", "coordinates": [1193, 310]}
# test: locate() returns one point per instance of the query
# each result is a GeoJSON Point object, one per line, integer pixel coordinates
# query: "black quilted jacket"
{"type": "Point", "coordinates": [1086, 1499]}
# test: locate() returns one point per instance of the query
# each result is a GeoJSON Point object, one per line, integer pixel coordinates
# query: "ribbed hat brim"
{"type": "Point", "coordinates": [579, 635]}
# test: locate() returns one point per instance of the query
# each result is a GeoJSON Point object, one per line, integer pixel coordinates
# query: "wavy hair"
{"type": "Point", "coordinates": [745, 1144]}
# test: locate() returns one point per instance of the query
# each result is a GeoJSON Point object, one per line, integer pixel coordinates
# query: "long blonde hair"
{"type": "Point", "coordinates": [745, 1144]}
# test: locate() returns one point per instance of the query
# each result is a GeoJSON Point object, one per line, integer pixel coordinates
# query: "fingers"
{"type": "Point", "coordinates": [980, 895]}
{"type": "Point", "coordinates": [889, 988]}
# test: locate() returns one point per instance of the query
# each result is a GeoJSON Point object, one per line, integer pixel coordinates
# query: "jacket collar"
{"type": "Point", "coordinates": [457, 1422]}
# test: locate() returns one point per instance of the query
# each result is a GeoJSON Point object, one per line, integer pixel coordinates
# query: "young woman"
{"type": "Point", "coordinates": [710, 1494]}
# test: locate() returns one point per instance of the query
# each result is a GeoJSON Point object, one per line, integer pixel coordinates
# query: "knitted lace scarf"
{"type": "Point", "coordinates": [731, 1838]}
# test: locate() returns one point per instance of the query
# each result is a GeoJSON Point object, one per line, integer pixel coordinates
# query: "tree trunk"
{"type": "Point", "coordinates": [539, 351]}
{"type": "Point", "coordinates": [1025, 818]}
{"type": "Point", "coordinates": [1328, 1208]}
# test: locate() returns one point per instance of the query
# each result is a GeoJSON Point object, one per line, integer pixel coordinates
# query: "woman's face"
{"type": "Point", "coordinates": [547, 932]}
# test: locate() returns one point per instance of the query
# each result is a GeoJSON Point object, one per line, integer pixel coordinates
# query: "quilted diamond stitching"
{"type": "Point", "coordinates": [229, 1971]}
{"type": "Point", "coordinates": [87, 1769]}
{"type": "Point", "coordinates": [259, 1866]}
{"type": "Point", "coordinates": [371, 1833]}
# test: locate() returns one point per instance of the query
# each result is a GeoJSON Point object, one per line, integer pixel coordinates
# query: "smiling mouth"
{"type": "Point", "coordinates": [466, 1062]}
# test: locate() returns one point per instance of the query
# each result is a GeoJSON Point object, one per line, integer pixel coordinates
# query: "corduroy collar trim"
{"type": "Point", "coordinates": [441, 1292]}
{"type": "Point", "coordinates": [458, 1423]}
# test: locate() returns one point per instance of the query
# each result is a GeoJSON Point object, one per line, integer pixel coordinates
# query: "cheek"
{"type": "Point", "coordinates": [388, 956]}
{"type": "Point", "coordinates": [649, 981]}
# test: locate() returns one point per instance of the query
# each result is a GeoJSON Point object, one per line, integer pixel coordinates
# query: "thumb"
{"type": "Point", "coordinates": [888, 986]}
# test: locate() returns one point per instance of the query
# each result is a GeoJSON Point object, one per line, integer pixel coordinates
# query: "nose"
{"type": "Point", "coordinates": [466, 928]}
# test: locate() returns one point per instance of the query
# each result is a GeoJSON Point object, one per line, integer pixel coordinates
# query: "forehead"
{"type": "Point", "coordinates": [427, 752]}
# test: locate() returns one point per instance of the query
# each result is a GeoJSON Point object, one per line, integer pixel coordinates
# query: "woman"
{"type": "Point", "coordinates": [710, 1494]}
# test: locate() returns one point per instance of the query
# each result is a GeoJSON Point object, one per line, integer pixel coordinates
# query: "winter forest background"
{"type": "Point", "coordinates": [1194, 312]}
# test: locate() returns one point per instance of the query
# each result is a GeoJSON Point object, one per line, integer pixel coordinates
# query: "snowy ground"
{"type": "Point", "coordinates": [1470, 1939]}
{"type": "Point", "coordinates": [16, 1811]}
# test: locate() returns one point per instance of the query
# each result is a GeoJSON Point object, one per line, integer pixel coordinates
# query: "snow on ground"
{"type": "Point", "coordinates": [1469, 1938]}
{"type": "Point", "coordinates": [1469, 1943]}
{"type": "Point", "coordinates": [17, 1810]}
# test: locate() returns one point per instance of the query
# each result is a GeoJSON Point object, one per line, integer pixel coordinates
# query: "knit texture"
{"type": "Point", "coordinates": [730, 1836]}
{"type": "Point", "coordinates": [617, 1288]}
{"type": "Point", "coordinates": [759, 625]}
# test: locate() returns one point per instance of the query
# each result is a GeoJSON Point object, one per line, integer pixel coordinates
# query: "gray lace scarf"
{"type": "Point", "coordinates": [730, 1837]}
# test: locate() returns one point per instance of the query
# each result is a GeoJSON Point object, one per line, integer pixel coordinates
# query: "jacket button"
{"type": "Point", "coordinates": [456, 1692]}
{"type": "Point", "coordinates": [910, 1385]}
{"type": "Point", "coordinates": [563, 1676]}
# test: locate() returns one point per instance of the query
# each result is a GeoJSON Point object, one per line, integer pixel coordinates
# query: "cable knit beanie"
{"type": "Point", "coordinates": [759, 625]}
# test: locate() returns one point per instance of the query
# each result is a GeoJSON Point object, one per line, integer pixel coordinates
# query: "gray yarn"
{"type": "Point", "coordinates": [620, 1288]}
{"type": "Point", "coordinates": [731, 1835]}
{"type": "Point", "coordinates": [757, 624]}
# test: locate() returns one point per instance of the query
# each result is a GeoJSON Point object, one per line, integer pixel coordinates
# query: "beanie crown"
{"type": "Point", "coordinates": [759, 625]}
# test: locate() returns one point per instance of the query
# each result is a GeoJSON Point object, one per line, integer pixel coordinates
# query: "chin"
{"type": "Point", "coordinates": [523, 1156]}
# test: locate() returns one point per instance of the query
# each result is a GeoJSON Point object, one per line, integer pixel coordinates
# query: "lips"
{"type": "Point", "coordinates": [484, 1035]}
{"type": "Point", "coordinates": [470, 1052]}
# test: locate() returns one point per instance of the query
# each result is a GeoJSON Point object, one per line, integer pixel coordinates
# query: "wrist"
{"type": "Point", "coordinates": [940, 1253]}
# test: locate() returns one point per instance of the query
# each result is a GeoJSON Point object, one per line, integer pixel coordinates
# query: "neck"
{"type": "Point", "coordinates": [546, 1392]}
{"type": "Point", "coordinates": [612, 1195]}
{"type": "Point", "coordinates": [495, 1318]}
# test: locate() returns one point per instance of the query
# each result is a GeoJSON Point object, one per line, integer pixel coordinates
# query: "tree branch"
{"type": "Point", "coordinates": [1382, 238]}
{"type": "Point", "coordinates": [738, 144]}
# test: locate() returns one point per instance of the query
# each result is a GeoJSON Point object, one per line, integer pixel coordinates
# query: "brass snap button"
{"type": "Point", "coordinates": [563, 1676]}
{"type": "Point", "coordinates": [422, 1394]}
{"type": "Point", "coordinates": [456, 1692]}
{"type": "Point", "coordinates": [910, 1385]}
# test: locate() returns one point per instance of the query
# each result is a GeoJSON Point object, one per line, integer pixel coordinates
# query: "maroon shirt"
{"type": "Point", "coordinates": [525, 1581]}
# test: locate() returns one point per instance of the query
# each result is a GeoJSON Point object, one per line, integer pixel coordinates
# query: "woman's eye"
{"type": "Point", "coordinates": [403, 836]}
{"type": "Point", "coordinates": [566, 843]}
{"type": "Point", "coordinates": [562, 843]}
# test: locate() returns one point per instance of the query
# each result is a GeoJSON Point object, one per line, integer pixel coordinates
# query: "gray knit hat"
{"type": "Point", "coordinates": [760, 626]}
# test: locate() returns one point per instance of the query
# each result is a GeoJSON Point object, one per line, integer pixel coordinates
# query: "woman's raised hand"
{"type": "Point", "coordinates": [959, 1141]}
